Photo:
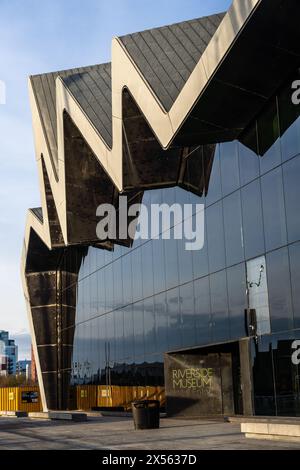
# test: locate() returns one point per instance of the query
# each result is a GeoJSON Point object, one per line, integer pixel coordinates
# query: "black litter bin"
{"type": "Point", "coordinates": [145, 414]}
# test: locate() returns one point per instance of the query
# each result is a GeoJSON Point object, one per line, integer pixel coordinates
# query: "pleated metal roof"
{"type": "Point", "coordinates": [166, 57]}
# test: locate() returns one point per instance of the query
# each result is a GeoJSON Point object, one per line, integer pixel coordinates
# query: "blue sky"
{"type": "Point", "coordinates": [41, 36]}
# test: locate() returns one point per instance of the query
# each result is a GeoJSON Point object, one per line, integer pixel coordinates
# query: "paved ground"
{"type": "Point", "coordinates": [117, 433]}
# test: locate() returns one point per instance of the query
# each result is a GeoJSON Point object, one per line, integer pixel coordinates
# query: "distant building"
{"type": "Point", "coordinates": [3, 368]}
{"type": "Point", "coordinates": [24, 368]}
{"type": "Point", "coordinates": [8, 354]}
{"type": "Point", "coordinates": [33, 373]}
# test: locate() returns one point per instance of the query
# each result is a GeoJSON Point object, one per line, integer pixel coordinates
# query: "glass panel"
{"type": "Point", "coordinates": [87, 298]}
{"type": "Point", "coordinates": [229, 160]}
{"type": "Point", "coordinates": [215, 237]}
{"type": "Point", "coordinates": [279, 290]}
{"type": "Point", "coordinates": [83, 268]}
{"type": "Point", "coordinates": [187, 310]}
{"type": "Point", "coordinates": [93, 281]}
{"type": "Point", "coordinates": [202, 310]}
{"type": "Point", "coordinates": [101, 292]}
{"type": "Point", "coordinates": [236, 284]}
{"type": "Point", "coordinates": [194, 171]}
{"type": "Point", "coordinates": [96, 350]}
{"type": "Point", "coordinates": [111, 335]}
{"type": "Point", "coordinates": [86, 330]}
{"type": "Point", "coordinates": [185, 262]}
{"type": "Point", "coordinates": [147, 268]}
{"type": "Point", "coordinates": [109, 290]}
{"type": "Point", "coordinates": [161, 319]}
{"type": "Point", "coordinates": [119, 332]}
{"type": "Point", "coordinates": [273, 209]}
{"type": "Point", "coordinates": [159, 272]}
{"type": "Point", "coordinates": [213, 184]}
{"type": "Point", "coordinates": [149, 326]}
{"type": "Point", "coordinates": [80, 302]}
{"type": "Point", "coordinates": [102, 347]}
{"type": "Point", "coordinates": [252, 220]}
{"type": "Point", "coordinates": [92, 259]}
{"type": "Point", "coordinates": [137, 284]}
{"type": "Point", "coordinates": [291, 178]}
{"type": "Point", "coordinates": [248, 157]}
{"type": "Point", "coordinates": [99, 258]}
{"type": "Point", "coordinates": [183, 196]}
{"type": "Point", "coordinates": [200, 257]}
{"type": "Point", "coordinates": [139, 373]}
{"type": "Point", "coordinates": [233, 229]}
{"type": "Point", "coordinates": [294, 252]}
{"type": "Point", "coordinates": [289, 124]}
{"type": "Point", "coordinates": [127, 279]}
{"type": "Point", "coordinates": [171, 262]}
{"type": "Point", "coordinates": [268, 138]}
{"type": "Point", "coordinates": [80, 354]}
{"type": "Point", "coordinates": [138, 326]}
{"type": "Point", "coordinates": [263, 379]}
{"type": "Point", "coordinates": [128, 333]}
{"type": "Point", "coordinates": [286, 376]}
{"type": "Point", "coordinates": [167, 195]}
{"type": "Point", "coordinates": [108, 257]}
{"type": "Point", "coordinates": [174, 319]}
{"type": "Point", "coordinates": [129, 372]}
{"type": "Point", "coordinates": [258, 294]}
{"type": "Point", "coordinates": [118, 285]}
{"type": "Point", "coordinates": [219, 306]}
{"type": "Point", "coordinates": [155, 371]}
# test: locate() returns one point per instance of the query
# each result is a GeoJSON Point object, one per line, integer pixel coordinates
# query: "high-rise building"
{"type": "Point", "coordinates": [8, 354]}
{"type": "Point", "coordinates": [203, 114]}
{"type": "Point", "coordinates": [24, 368]}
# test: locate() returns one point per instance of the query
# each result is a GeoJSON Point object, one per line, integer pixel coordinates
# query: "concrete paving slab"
{"type": "Point", "coordinates": [115, 433]}
{"type": "Point", "coordinates": [14, 414]}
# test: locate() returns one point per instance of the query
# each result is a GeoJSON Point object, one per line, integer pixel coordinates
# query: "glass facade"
{"type": "Point", "coordinates": [135, 304]}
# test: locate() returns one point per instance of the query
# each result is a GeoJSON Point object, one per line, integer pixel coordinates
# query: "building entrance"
{"type": "Point", "coordinates": [203, 382]}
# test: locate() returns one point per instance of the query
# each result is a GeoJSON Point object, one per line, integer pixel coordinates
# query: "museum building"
{"type": "Point", "coordinates": [203, 112]}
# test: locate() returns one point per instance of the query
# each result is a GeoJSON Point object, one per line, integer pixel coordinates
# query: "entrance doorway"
{"type": "Point", "coordinates": [204, 381]}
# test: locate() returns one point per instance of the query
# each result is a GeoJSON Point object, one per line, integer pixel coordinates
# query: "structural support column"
{"type": "Point", "coordinates": [246, 376]}
{"type": "Point", "coordinates": [51, 297]}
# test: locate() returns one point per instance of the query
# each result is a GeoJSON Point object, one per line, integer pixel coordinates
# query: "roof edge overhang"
{"type": "Point", "coordinates": [254, 51]}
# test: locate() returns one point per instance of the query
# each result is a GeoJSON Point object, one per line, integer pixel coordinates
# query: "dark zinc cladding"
{"type": "Point", "coordinates": [134, 304]}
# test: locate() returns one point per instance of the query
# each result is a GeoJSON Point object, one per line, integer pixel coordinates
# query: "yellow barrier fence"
{"type": "Point", "coordinates": [115, 396]}
{"type": "Point", "coordinates": [25, 398]}
{"type": "Point", "coordinates": [86, 396]}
